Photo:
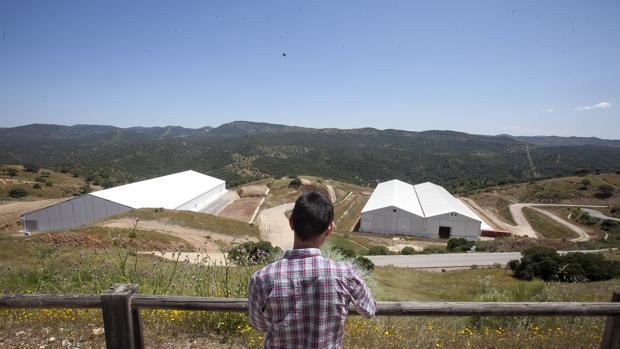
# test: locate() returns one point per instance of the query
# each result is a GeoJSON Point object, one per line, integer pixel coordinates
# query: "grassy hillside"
{"type": "Point", "coordinates": [568, 190]}
{"type": "Point", "coordinates": [39, 183]}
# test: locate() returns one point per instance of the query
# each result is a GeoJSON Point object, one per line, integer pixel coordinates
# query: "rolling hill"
{"type": "Point", "coordinates": [245, 151]}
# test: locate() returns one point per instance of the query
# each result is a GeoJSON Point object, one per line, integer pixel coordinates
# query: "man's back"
{"type": "Point", "coordinates": [302, 300]}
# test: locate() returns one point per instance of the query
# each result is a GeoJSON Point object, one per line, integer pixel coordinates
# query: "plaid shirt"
{"type": "Point", "coordinates": [302, 300]}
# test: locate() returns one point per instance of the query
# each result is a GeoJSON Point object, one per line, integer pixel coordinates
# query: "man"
{"type": "Point", "coordinates": [302, 300]}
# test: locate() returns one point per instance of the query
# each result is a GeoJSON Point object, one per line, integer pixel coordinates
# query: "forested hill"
{"type": "Point", "coordinates": [243, 151]}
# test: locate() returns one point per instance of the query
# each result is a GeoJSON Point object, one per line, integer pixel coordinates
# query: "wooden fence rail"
{"type": "Point", "coordinates": [121, 306]}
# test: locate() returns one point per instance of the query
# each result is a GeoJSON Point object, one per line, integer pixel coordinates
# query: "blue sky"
{"type": "Point", "coordinates": [487, 67]}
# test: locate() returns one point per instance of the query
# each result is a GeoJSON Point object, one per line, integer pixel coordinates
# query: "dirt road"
{"type": "Point", "coordinates": [523, 227]}
{"type": "Point", "coordinates": [274, 226]}
{"type": "Point", "coordinates": [600, 215]}
{"type": "Point", "coordinates": [200, 239]}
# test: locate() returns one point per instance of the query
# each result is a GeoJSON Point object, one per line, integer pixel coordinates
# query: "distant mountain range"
{"type": "Point", "coordinates": [242, 151]}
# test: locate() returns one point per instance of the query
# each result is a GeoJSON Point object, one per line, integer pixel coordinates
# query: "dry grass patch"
{"type": "Point", "coordinates": [196, 220]}
{"type": "Point", "coordinates": [547, 227]}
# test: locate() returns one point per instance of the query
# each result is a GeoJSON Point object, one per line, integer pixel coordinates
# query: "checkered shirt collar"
{"type": "Point", "coordinates": [302, 253]}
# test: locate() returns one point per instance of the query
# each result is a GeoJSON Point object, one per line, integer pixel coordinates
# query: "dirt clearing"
{"type": "Point", "coordinates": [242, 209]}
{"type": "Point", "coordinates": [11, 211]}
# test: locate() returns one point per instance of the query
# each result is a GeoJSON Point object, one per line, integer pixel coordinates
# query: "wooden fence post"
{"type": "Point", "coordinates": [123, 326]}
{"type": "Point", "coordinates": [611, 336]}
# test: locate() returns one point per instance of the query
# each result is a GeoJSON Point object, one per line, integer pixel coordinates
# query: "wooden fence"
{"type": "Point", "coordinates": [121, 306]}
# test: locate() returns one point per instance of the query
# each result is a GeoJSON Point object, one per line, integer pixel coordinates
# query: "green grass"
{"type": "Point", "coordinates": [196, 220]}
{"type": "Point", "coordinates": [340, 240]}
{"type": "Point", "coordinates": [547, 227]}
{"type": "Point", "coordinates": [402, 284]}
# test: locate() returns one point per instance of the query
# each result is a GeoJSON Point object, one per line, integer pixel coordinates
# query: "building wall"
{"type": "Point", "coordinates": [386, 221]}
{"type": "Point", "coordinates": [71, 213]}
{"type": "Point", "coordinates": [391, 220]}
{"type": "Point", "coordinates": [461, 226]}
{"type": "Point", "coordinates": [204, 199]}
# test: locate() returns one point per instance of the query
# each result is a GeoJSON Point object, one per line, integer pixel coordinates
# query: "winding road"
{"type": "Point", "coordinates": [523, 227]}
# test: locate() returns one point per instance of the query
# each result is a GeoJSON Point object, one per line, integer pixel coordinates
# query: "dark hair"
{"type": "Point", "coordinates": [312, 214]}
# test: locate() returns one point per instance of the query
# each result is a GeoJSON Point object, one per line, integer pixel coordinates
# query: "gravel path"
{"type": "Point", "coordinates": [274, 226]}
{"type": "Point", "coordinates": [200, 239]}
{"type": "Point", "coordinates": [599, 215]}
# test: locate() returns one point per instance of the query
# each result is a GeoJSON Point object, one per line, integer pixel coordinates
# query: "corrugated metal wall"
{"type": "Point", "coordinates": [392, 220]}
{"type": "Point", "coordinates": [71, 213]}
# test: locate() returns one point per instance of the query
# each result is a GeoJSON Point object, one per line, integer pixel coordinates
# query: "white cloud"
{"type": "Point", "coordinates": [601, 105]}
{"type": "Point", "coordinates": [550, 110]}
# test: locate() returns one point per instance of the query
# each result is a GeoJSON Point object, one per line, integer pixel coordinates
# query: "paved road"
{"type": "Point", "coordinates": [449, 260]}
{"type": "Point", "coordinates": [599, 215]}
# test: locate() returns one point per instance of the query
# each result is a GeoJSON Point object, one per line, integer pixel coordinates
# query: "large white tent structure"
{"type": "Point", "coordinates": [188, 190]}
{"type": "Point", "coordinates": [425, 210]}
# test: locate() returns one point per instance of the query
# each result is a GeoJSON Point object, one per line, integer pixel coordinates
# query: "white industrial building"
{"type": "Point", "coordinates": [188, 190]}
{"type": "Point", "coordinates": [425, 210]}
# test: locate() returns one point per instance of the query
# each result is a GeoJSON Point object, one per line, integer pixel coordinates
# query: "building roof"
{"type": "Point", "coordinates": [394, 193]}
{"type": "Point", "coordinates": [424, 199]}
{"type": "Point", "coordinates": [168, 192]}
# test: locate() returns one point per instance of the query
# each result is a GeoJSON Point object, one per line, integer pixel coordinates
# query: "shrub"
{"type": "Point", "coordinates": [295, 182]}
{"type": "Point", "coordinates": [49, 183]}
{"type": "Point", "coordinates": [253, 253]}
{"type": "Point", "coordinates": [31, 168]}
{"type": "Point", "coordinates": [11, 172]}
{"type": "Point", "coordinates": [36, 186]}
{"type": "Point", "coordinates": [459, 245]}
{"type": "Point", "coordinates": [407, 250]}
{"type": "Point", "coordinates": [365, 263]}
{"type": "Point", "coordinates": [378, 250]}
{"type": "Point", "coordinates": [18, 193]}
{"type": "Point", "coordinates": [546, 264]}
{"type": "Point", "coordinates": [85, 189]}
{"type": "Point", "coordinates": [605, 191]}
{"type": "Point", "coordinates": [40, 179]}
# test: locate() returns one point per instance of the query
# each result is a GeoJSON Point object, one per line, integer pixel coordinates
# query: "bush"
{"type": "Point", "coordinates": [49, 183]}
{"type": "Point", "coordinates": [40, 179]}
{"type": "Point", "coordinates": [18, 193]}
{"type": "Point", "coordinates": [85, 189]}
{"type": "Point", "coordinates": [11, 172]}
{"type": "Point", "coordinates": [460, 245]}
{"type": "Point", "coordinates": [36, 186]}
{"type": "Point", "coordinates": [546, 264]}
{"type": "Point", "coordinates": [407, 250]}
{"type": "Point", "coordinates": [253, 253]}
{"type": "Point", "coordinates": [31, 168]}
{"type": "Point", "coordinates": [605, 191]}
{"type": "Point", "coordinates": [378, 250]}
{"type": "Point", "coordinates": [295, 182]}
{"type": "Point", "coordinates": [365, 263]}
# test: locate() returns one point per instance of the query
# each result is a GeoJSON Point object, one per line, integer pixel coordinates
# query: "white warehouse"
{"type": "Point", "coordinates": [425, 210]}
{"type": "Point", "coordinates": [188, 190]}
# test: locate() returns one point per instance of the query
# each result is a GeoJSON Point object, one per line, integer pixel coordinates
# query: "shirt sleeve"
{"type": "Point", "coordinates": [361, 297]}
{"type": "Point", "coordinates": [256, 303]}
